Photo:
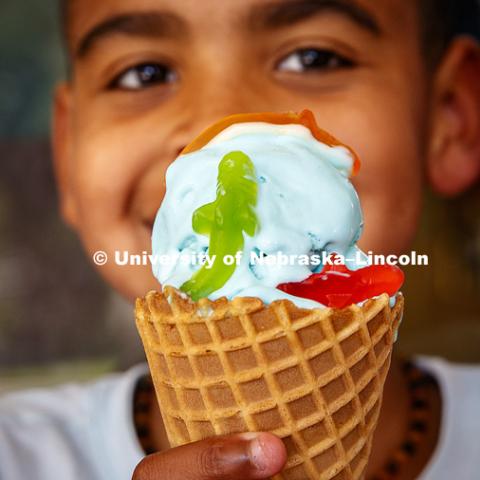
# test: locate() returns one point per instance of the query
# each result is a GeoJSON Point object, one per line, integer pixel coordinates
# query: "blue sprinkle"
{"type": "Point", "coordinates": [318, 247]}
{"type": "Point", "coordinates": [317, 243]}
{"type": "Point", "coordinates": [187, 242]}
{"type": "Point", "coordinates": [253, 266]}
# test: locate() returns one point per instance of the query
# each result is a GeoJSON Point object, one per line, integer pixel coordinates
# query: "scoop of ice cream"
{"type": "Point", "coordinates": [306, 205]}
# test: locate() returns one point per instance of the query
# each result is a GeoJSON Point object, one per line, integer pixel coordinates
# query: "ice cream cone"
{"type": "Point", "coordinates": [312, 377]}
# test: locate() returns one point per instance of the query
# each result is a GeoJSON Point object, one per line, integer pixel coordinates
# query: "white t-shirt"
{"type": "Point", "coordinates": [86, 432]}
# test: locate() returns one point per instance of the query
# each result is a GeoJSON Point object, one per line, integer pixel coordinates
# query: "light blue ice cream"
{"type": "Point", "coordinates": [306, 205]}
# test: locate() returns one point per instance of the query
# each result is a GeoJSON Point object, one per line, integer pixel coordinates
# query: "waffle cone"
{"type": "Point", "coordinates": [312, 377]}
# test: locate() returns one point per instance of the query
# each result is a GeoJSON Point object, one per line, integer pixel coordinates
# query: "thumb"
{"type": "Point", "coordinates": [246, 456]}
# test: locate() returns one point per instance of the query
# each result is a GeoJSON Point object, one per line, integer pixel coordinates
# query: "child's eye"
{"type": "Point", "coordinates": [313, 59]}
{"type": "Point", "coordinates": [143, 76]}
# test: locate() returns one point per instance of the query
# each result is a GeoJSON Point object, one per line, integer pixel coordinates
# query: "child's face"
{"type": "Point", "coordinates": [154, 73]}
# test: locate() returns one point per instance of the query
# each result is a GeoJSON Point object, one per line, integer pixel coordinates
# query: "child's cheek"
{"type": "Point", "coordinates": [390, 181]}
{"type": "Point", "coordinates": [384, 126]}
{"type": "Point", "coordinates": [110, 169]}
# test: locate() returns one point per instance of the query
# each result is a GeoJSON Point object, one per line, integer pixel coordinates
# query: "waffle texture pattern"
{"type": "Point", "coordinates": [312, 377]}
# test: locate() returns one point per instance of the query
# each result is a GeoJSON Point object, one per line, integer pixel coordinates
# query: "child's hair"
{"type": "Point", "coordinates": [443, 20]}
{"type": "Point", "coordinates": [440, 20]}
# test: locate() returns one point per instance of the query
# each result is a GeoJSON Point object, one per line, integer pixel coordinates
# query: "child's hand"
{"type": "Point", "coordinates": [247, 456]}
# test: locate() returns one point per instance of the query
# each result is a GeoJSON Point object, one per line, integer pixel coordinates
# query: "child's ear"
{"type": "Point", "coordinates": [454, 151]}
{"type": "Point", "coordinates": [61, 146]}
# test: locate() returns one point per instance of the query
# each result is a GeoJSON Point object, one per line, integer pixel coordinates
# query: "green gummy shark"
{"type": "Point", "coordinates": [225, 220]}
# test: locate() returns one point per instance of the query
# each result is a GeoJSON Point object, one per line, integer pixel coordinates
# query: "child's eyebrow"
{"type": "Point", "coordinates": [144, 24]}
{"type": "Point", "coordinates": [284, 13]}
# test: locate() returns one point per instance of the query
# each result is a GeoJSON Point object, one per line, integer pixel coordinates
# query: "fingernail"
{"type": "Point", "coordinates": [257, 452]}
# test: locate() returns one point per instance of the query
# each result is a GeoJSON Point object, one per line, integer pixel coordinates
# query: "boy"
{"type": "Point", "coordinates": [393, 79]}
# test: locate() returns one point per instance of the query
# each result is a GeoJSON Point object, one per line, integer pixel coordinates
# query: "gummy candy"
{"type": "Point", "coordinates": [338, 287]}
{"type": "Point", "coordinates": [224, 220]}
{"type": "Point", "coordinates": [305, 118]}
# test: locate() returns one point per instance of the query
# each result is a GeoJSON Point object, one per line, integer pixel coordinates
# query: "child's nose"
{"type": "Point", "coordinates": [215, 100]}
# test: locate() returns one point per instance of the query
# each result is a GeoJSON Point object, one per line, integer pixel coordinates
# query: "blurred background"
{"type": "Point", "coordinates": [60, 322]}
